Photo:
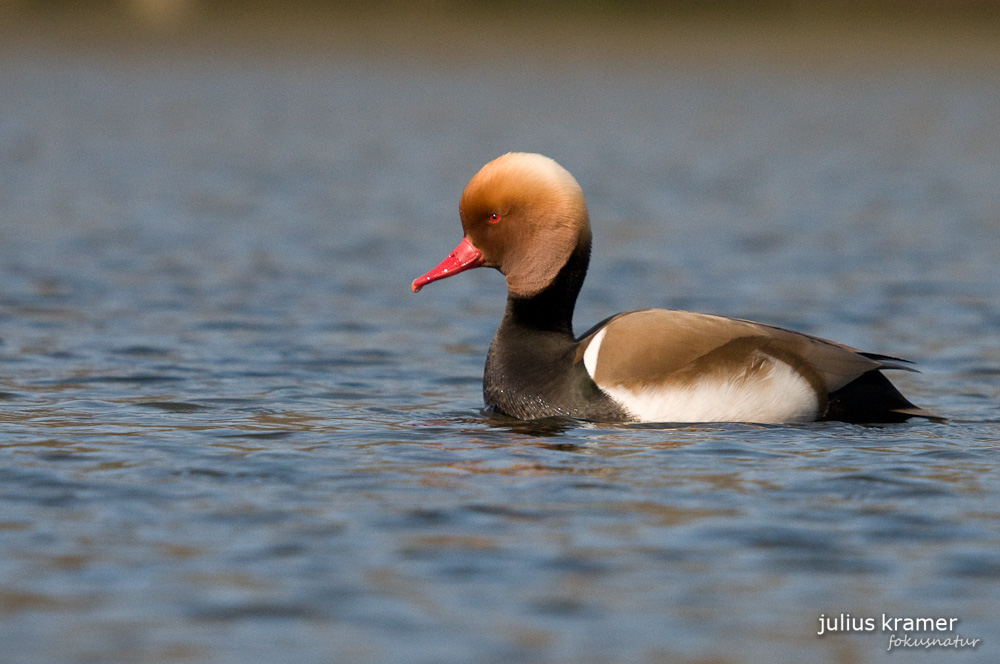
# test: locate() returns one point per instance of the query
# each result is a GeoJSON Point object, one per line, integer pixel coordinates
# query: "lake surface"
{"type": "Point", "coordinates": [230, 433]}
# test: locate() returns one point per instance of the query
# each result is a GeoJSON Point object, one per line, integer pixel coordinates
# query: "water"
{"type": "Point", "coordinates": [231, 434]}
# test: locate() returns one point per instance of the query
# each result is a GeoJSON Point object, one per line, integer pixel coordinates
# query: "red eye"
{"type": "Point", "coordinates": [494, 218]}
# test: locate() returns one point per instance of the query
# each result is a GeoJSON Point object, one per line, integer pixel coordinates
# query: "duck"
{"type": "Point", "coordinates": [525, 215]}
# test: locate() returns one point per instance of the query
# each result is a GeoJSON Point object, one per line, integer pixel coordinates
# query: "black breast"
{"type": "Point", "coordinates": [532, 374]}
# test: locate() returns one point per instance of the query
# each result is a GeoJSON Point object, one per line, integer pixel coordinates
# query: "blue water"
{"type": "Point", "coordinates": [231, 434]}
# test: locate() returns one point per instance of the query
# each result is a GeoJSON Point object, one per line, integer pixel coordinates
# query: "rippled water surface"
{"type": "Point", "coordinates": [231, 434]}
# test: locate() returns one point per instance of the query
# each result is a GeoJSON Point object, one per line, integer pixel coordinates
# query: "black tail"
{"type": "Point", "coordinates": [872, 399]}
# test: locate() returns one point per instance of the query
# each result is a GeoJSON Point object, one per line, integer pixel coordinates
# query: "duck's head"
{"type": "Point", "coordinates": [522, 214]}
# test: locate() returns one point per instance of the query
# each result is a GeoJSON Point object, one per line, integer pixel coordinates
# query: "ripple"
{"type": "Point", "coordinates": [173, 406]}
{"type": "Point", "coordinates": [230, 433]}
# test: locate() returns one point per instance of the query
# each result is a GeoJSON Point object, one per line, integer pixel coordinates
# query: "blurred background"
{"type": "Point", "coordinates": [167, 11]}
{"type": "Point", "coordinates": [230, 433]}
{"type": "Point", "coordinates": [187, 15]}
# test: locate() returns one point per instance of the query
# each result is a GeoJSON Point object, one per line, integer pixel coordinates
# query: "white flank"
{"type": "Point", "coordinates": [590, 355]}
{"type": "Point", "coordinates": [781, 395]}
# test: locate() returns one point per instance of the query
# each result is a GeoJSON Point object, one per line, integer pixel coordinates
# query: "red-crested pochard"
{"type": "Point", "coordinates": [525, 215]}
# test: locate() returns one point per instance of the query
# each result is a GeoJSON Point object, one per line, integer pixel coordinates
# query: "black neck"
{"type": "Point", "coordinates": [551, 310]}
{"type": "Point", "coordinates": [532, 370]}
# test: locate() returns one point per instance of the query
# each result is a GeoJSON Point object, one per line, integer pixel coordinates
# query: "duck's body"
{"type": "Point", "coordinates": [525, 215]}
